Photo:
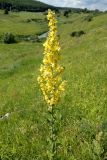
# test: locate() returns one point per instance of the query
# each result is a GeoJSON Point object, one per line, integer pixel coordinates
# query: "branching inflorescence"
{"type": "Point", "coordinates": [50, 79]}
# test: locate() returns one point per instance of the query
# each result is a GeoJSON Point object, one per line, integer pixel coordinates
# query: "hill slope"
{"type": "Point", "coordinates": [83, 133]}
{"type": "Point", "coordinates": [29, 5]}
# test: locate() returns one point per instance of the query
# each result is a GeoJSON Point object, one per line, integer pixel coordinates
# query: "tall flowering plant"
{"type": "Point", "coordinates": [50, 79]}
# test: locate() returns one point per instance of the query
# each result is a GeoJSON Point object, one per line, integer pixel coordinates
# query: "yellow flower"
{"type": "Point", "coordinates": [50, 79]}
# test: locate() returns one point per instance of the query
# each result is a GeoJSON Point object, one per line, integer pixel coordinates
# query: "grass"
{"type": "Point", "coordinates": [83, 133]}
{"type": "Point", "coordinates": [17, 23]}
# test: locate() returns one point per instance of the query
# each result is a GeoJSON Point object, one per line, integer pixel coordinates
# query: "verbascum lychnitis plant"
{"type": "Point", "coordinates": [50, 80]}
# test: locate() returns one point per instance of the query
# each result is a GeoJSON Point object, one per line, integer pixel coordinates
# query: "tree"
{"type": "Point", "coordinates": [6, 11]}
{"type": "Point", "coordinates": [66, 13]}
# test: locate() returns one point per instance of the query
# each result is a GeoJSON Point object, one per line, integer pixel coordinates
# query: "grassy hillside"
{"type": "Point", "coordinates": [83, 133]}
{"type": "Point", "coordinates": [20, 24]}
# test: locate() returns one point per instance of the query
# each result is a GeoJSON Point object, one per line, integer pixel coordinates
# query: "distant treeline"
{"type": "Point", "coordinates": [36, 6]}
{"type": "Point", "coordinates": [24, 5]}
{"type": "Point", "coordinates": [79, 10]}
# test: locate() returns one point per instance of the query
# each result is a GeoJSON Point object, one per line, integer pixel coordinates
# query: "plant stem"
{"type": "Point", "coordinates": [53, 135]}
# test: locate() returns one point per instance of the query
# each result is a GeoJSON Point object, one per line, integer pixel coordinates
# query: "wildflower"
{"type": "Point", "coordinates": [50, 79]}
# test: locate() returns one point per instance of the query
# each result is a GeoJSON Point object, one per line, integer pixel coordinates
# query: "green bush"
{"type": "Point", "coordinates": [77, 33]}
{"type": "Point", "coordinates": [6, 11]}
{"type": "Point", "coordinates": [66, 14]}
{"type": "Point", "coordinates": [9, 38]}
{"type": "Point", "coordinates": [88, 18]}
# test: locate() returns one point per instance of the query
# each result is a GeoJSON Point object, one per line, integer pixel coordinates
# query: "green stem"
{"type": "Point", "coordinates": [53, 136]}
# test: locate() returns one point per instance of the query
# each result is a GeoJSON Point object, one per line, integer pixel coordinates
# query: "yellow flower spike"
{"type": "Point", "coordinates": [50, 79]}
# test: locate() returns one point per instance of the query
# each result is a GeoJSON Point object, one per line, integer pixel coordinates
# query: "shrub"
{"type": "Point", "coordinates": [81, 33]}
{"type": "Point", "coordinates": [73, 34]}
{"type": "Point", "coordinates": [9, 38]}
{"type": "Point", "coordinates": [28, 20]}
{"type": "Point", "coordinates": [88, 18]}
{"type": "Point", "coordinates": [6, 11]}
{"type": "Point", "coordinates": [77, 33]}
{"type": "Point", "coordinates": [66, 14]}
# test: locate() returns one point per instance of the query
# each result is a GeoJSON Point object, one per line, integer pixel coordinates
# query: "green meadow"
{"type": "Point", "coordinates": [83, 125]}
